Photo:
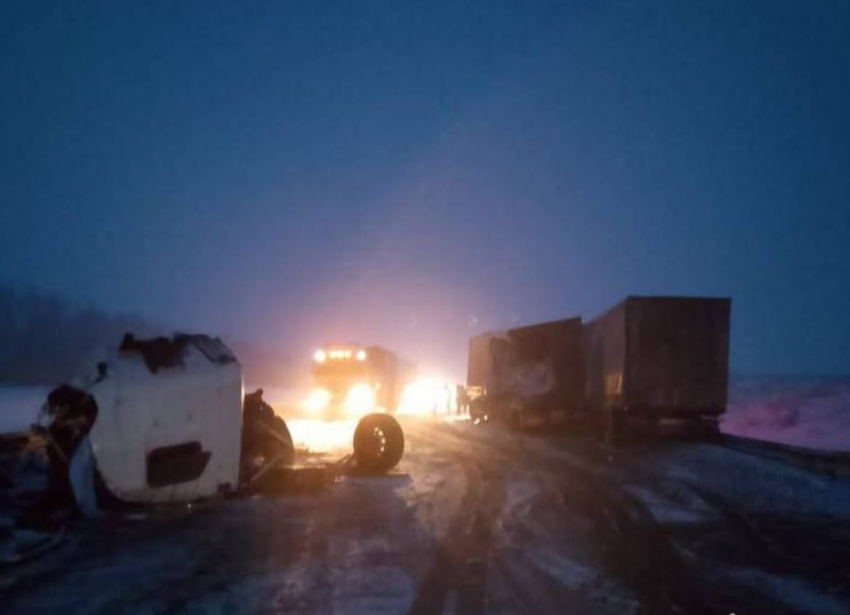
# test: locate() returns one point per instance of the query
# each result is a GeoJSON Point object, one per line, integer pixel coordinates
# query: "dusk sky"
{"type": "Point", "coordinates": [413, 173]}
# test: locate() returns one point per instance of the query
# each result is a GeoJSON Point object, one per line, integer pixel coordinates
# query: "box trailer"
{"type": "Point", "coordinates": [529, 375]}
{"type": "Point", "coordinates": [653, 358]}
{"type": "Point", "coordinates": [487, 365]}
{"type": "Point", "coordinates": [546, 374]}
{"type": "Point", "coordinates": [486, 374]}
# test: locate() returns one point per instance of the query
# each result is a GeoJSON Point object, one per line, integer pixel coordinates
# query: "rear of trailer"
{"type": "Point", "coordinates": [487, 374]}
{"type": "Point", "coordinates": [656, 359]}
{"type": "Point", "coordinates": [529, 375]}
{"type": "Point", "coordinates": [546, 376]}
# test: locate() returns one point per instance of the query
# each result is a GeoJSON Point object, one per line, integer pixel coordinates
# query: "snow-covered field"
{"type": "Point", "coordinates": [808, 412]}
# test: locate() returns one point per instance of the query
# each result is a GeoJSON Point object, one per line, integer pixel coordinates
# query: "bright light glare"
{"type": "Point", "coordinates": [320, 356]}
{"type": "Point", "coordinates": [361, 355]}
{"type": "Point", "coordinates": [320, 436]}
{"type": "Point", "coordinates": [317, 400]}
{"type": "Point", "coordinates": [360, 400]}
{"type": "Point", "coordinates": [432, 396]}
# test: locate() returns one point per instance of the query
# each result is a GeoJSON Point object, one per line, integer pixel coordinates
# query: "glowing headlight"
{"type": "Point", "coordinates": [320, 356]}
{"type": "Point", "coordinates": [427, 396]}
{"type": "Point", "coordinates": [317, 400]}
{"type": "Point", "coordinates": [361, 355]}
{"type": "Point", "coordinates": [360, 399]}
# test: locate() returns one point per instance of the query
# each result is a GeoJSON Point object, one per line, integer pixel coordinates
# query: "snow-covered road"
{"type": "Point", "coordinates": [477, 520]}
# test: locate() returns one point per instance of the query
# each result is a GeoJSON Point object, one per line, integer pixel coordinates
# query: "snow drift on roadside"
{"type": "Point", "coordinates": [809, 412]}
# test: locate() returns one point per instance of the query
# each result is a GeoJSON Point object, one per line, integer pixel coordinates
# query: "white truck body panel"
{"type": "Point", "coordinates": [139, 411]}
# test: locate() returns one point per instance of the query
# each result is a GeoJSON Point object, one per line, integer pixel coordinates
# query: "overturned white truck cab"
{"type": "Point", "coordinates": [167, 417]}
{"type": "Point", "coordinates": [166, 420]}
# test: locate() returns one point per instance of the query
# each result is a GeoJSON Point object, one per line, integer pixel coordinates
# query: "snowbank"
{"type": "Point", "coordinates": [809, 412]}
{"type": "Point", "coordinates": [19, 407]}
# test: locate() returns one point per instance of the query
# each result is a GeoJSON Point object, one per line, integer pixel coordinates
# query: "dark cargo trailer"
{"type": "Point", "coordinates": [487, 373]}
{"type": "Point", "coordinates": [529, 375]}
{"type": "Point", "coordinates": [547, 375]}
{"type": "Point", "coordinates": [487, 366]}
{"type": "Point", "coordinates": [655, 358]}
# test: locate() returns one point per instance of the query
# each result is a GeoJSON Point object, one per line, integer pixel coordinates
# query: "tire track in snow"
{"type": "Point", "coordinates": [630, 543]}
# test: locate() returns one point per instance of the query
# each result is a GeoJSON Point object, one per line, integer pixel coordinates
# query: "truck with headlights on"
{"type": "Point", "coordinates": [350, 380]}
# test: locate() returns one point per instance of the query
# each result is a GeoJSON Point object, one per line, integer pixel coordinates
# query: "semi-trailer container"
{"type": "Point", "coordinates": [648, 359]}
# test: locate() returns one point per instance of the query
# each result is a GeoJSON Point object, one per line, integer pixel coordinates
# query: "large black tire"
{"type": "Point", "coordinates": [378, 443]}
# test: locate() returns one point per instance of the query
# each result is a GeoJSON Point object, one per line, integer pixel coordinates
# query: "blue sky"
{"type": "Point", "coordinates": [412, 173]}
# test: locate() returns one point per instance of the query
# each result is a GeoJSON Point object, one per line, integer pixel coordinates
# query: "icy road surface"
{"type": "Point", "coordinates": [477, 520]}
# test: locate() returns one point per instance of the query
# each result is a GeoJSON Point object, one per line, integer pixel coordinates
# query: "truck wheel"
{"type": "Point", "coordinates": [378, 443]}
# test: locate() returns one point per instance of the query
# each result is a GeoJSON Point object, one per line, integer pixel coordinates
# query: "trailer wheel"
{"type": "Point", "coordinates": [378, 443]}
